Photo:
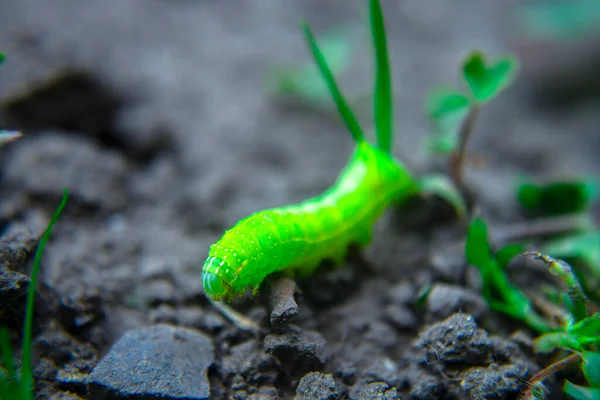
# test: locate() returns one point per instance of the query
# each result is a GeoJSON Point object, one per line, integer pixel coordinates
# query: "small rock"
{"type": "Point", "coordinates": [159, 361]}
{"type": "Point", "coordinates": [317, 386]}
{"type": "Point", "coordinates": [196, 317]}
{"type": "Point", "coordinates": [445, 300]}
{"type": "Point", "coordinates": [374, 390]}
{"type": "Point", "coordinates": [46, 163]}
{"type": "Point", "coordinates": [400, 317]}
{"type": "Point", "coordinates": [20, 241]}
{"type": "Point", "coordinates": [456, 340]}
{"type": "Point", "coordinates": [495, 382]}
{"type": "Point", "coordinates": [402, 293]}
{"type": "Point", "coordinates": [282, 304]}
{"type": "Point", "coordinates": [265, 393]}
{"type": "Point", "coordinates": [163, 314]}
{"type": "Point", "coordinates": [248, 362]}
{"type": "Point", "coordinates": [298, 351]}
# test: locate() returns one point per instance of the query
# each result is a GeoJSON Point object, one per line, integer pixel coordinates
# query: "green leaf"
{"type": "Point", "coordinates": [580, 392]}
{"type": "Point", "coordinates": [305, 81]}
{"type": "Point", "coordinates": [478, 250]}
{"type": "Point", "coordinates": [589, 327]}
{"type": "Point", "coordinates": [549, 342]}
{"type": "Point", "coordinates": [443, 187]}
{"type": "Point", "coordinates": [508, 252]}
{"type": "Point", "coordinates": [383, 107]}
{"type": "Point", "coordinates": [446, 108]}
{"type": "Point", "coordinates": [340, 102]}
{"type": "Point", "coordinates": [2, 58]}
{"type": "Point", "coordinates": [560, 197]}
{"type": "Point", "coordinates": [584, 246]}
{"type": "Point", "coordinates": [443, 101]}
{"type": "Point", "coordinates": [591, 368]}
{"type": "Point", "coordinates": [485, 80]}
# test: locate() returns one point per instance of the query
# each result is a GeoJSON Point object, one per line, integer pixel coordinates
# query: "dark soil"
{"type": "Point", "coordinates": [154, 114]}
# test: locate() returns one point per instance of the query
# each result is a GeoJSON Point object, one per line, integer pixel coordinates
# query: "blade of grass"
{"type": "Point", "coordinates": [26, 374]}
{"type": "Point", "coordinates": [340, 102]}
{"type": "Point", "coordinates": [383, 82]}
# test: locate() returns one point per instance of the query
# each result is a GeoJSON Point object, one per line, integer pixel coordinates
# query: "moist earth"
{"type": "Point", "coordinates": [154, 114]}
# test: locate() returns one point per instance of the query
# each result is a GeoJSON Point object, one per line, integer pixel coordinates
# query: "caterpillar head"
{"type": "Point", "coordinates": [216, 278]}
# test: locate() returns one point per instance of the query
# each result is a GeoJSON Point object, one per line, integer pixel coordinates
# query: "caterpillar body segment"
{"type": "Point", "coordinates": [297, 238]}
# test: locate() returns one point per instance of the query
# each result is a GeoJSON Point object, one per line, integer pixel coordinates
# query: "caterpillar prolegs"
{"type": "Point", "coordinates": [297, 238]}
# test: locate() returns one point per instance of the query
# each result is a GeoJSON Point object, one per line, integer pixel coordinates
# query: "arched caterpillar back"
{"type": "Point", "coordinates": [297, 238]}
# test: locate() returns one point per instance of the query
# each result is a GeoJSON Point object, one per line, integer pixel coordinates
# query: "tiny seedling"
{"type": "Point", "coordinates": [452, 113]}
{"type": "Point", "coordinates": [580, 335]}
{"type": "Point", "coordinates": [498, 292]}
{"type": "Point", "coordinates": [13, 387]}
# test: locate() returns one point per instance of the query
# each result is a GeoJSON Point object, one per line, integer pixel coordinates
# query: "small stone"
{"type": "Point", "coordinates": [196, 317]}
{"type": "Point", "coordinates": [316, 386]}
{"type": "Point", "coordinates": [163, 314]}
{"type": "Point", "coordinates": [374, 390]}
{"type": "Point", "coordinates": [400, 317]}
{"type": "Point", "coordinates": [160, 362]}
{"type": "Point", "coordinates": [402, 293]}
{"type": "Point", "coordinates": [265, 393]}
{"type": "Point", "coordinates": [298, 351]}
{"type": "Point", "coordinates": [456, 340]}
{"type": "Point", "coordinates": [283, 305]}
{"type": "Point", "coordinates": [445, 300]}
{"type": "Point", "coordinates": [495, 382]}
{"type": "Point", "coordinates": [249, 360]}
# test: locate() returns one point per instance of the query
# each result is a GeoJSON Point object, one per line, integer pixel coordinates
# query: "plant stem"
{"type": "Point", "coordinates": [457, 160]}
{"type": "Point", "coordinates": [26, 374]}
{"type": "Point", "coordinates": [547, 372]}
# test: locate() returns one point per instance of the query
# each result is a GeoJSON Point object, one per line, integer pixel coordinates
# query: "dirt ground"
{"type": "Point", "coordinates": [154, 114]}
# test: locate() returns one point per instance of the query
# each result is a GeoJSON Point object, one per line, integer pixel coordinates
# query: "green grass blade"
{"type": "Point", "coordinates": [26, 375]}
{"type": "Point", "coordinates": [383, 81]}
{"type": "Point", "coordinates": [340, 102]}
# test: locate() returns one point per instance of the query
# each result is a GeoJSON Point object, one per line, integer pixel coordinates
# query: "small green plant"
{"type": "Point", "coordinates": [557, 197]}
{"type": "Point", "coordinates": [578, 334]}
{"type": "Point", "coordinates": [498, 292]}
{"type": "Point", "coordinates": [13, 387]}
{"type": "Point", "coordinates": [452, 112]}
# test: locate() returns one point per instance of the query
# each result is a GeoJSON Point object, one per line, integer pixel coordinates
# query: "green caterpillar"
{"type": "Point", "coordinates": [297, 238]}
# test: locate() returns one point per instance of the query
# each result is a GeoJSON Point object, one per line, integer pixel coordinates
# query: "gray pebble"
{"type": "Point", "coordinates": [316, 386]}
{"type": "Point", "coordinates": [160, 361]}
{"type": "Point", "coordinates": [445, 300]}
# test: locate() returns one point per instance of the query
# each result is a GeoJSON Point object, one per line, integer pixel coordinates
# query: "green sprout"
{"type": "Point", "coordinates": [498, 292]}
{"type": "Point", "coordinates": [452, 112]}
{"type": "Point", "coordinates": [11, 386]}
{"type": "Point", "coordinates": [580, 335]}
